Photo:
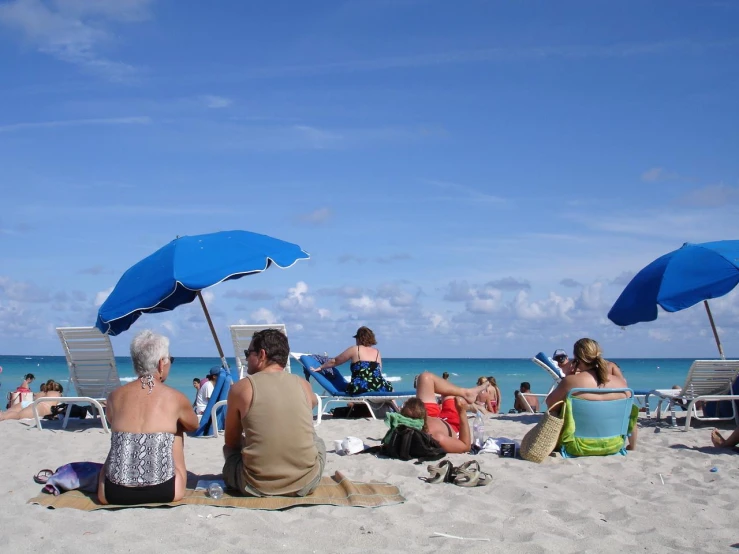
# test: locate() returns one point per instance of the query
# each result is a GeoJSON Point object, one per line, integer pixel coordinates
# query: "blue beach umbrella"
{"type": "Point", "coordinates": [176, 273]}
{"type": "Point", "coordinates": [693, 273]}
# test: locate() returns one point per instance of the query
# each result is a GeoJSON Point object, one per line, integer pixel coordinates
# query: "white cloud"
{"type": "Point", "coordinates": [297, 299]}
{"type": "Point", "coordinates": [318, 138]}
{"type": "Point", "coordinates": [74, 31]}
{"type": "Point", "coordinates": [652, 175]}
{"type": "Point", "coordinates": [316, 217]}
{"type": "Point", "coordinates": [591, 298]}
{"type": "Point", "coordinates": [438, 321]}
{"type": "Point", "coordinates": [170, 327]}
{"type": "Point", "coordinates": [555, 308]}
{"type": "Point", "coordinates": [396, 295]}
{"type": "Point", "coordinates": [262, 316]}
{"type": "Point", "coordinates": [457, 192]}
{"type": "Point", "coordinates": [484, 305]}
{"type": "Point", "coordinates": [370, 307]}
{"type": "Point", "coordinates": [102, 296]}
{"type": "Point", "coordinates": [660, 335]}
{"type": "Point", "coordinates": [134, 120]}
{"type": "Point", "coordinates": [22, 291]}
{"type": "Point", "coordinates": [400, 257]}
{"type": "Point", "coordinates": [458, 292]}
{"type": "Point", "coordinates": [492, 55]}
{"type": "Point", "coordinates": [17, 321]}
{"type": "Point", "coordinates": [344, 292]}
{"type": "Point", "coordinates": [215, 102]}
{"type": "Point", "coordinates": [711, 196]}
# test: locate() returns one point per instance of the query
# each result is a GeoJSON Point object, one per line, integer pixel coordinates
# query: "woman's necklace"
{"type": "Point", "coordinates": [147, 380]}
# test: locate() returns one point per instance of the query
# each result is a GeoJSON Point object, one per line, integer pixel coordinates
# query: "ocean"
{"type": "Point", "coordinates": [641, 373]}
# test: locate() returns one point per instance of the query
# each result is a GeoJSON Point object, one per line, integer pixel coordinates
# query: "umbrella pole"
{"type": "Point", "coordinates": [224, 363]}
{"type": "Point", "coordinates": [715, 332]}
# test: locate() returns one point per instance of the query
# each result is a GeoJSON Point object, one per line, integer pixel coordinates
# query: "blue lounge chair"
{"type": "Point", "coordinates": [548, 365]}
{"type": "Point", "coordinates": [214, 415]}
{"type": "Point", "coordinates": [334, 384]}
{"type": "Point", "coordinates": [595, 427]}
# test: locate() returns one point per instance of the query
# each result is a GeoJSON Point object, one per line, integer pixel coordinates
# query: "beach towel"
{"type": "Point", "coordinates": [338, 490]}
{"type": "Point", "coordinates": [600, 446]}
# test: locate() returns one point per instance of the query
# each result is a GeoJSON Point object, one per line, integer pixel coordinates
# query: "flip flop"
{"type": "Point", "coordinates": [42, 476]}
{"type": "Point", "coordinates": [485, 479]}
{"type": "Point", "coordinates": [440, 473]}
{"type": "Point", "coordinates": [468, 474]}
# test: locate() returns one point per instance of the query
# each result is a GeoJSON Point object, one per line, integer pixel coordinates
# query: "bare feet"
{"type": "Point", "coordinates": [717, 439]}
{"type": "Point", "coordinates": [470, 395]}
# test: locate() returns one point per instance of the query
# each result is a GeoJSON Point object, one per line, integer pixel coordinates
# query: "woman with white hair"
{"type": "Point", "coordinates": [146, 462]}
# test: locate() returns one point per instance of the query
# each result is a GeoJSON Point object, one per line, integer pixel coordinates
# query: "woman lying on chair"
{"type": "Point", "coordinates": [589, 370]}
{"type": "Point", "coordinates": [146, 462]}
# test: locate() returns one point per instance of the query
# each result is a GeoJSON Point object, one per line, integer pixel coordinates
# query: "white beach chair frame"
{"type": "Point", "coordinates": [707, 380]}
{"type": "Point", "coordinates": [214, 417]}
{"type": "Point", "coordinates": [327, 398]}
{"type": "Point", "coordinates": [92, 371]}
{"type": "Point", "coordinates": [241, 338]}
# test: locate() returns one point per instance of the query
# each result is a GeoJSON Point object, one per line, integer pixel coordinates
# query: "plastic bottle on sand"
{"type": "Point", "coordinates": [478, 430]}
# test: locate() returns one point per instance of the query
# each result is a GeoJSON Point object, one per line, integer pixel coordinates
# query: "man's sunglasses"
{"type": "Point", "coordinates": [250, 351]}
{"type": "Point", "coordinates": [560, 359]}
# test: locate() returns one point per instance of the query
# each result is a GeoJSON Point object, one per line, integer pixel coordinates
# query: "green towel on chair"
{"type": "Point", "coordinates": [601, 446]}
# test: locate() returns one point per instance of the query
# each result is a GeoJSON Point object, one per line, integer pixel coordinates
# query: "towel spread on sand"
{"type": "Point", "coordinates": [335, 491]}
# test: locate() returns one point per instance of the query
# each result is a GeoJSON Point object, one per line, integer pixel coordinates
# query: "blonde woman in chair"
{"type": "Point", "coordinates": [590, 370]}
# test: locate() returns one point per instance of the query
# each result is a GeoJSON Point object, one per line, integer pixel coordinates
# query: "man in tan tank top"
{"type": "Point", "coordinates": [271, 447]}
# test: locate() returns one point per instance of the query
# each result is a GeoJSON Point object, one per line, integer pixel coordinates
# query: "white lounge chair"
{"type": "Point", "coordinates": [707, 380]}
{"type": "Point", "coordinates": [241, 337]}
{"type": "Point", "coordinates": [92, 370]}
{"type": "Point", "coordinates": [525, 402]}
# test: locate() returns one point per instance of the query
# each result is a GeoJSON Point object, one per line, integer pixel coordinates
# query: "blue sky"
{"type": "Point", "coordinates": [472, 179]}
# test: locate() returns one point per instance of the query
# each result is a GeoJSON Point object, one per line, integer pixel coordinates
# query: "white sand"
{"type": "Point", "coordinates": [608, 504]}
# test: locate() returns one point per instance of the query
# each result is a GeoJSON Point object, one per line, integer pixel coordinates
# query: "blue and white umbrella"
{"type": "Point", "coordinates": [176, 273]}
{"type": "Point", "coordinates": [693, 273]}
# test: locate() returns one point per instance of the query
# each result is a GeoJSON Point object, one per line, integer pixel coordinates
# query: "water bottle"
{"type": "Point", "coordinates": [215, 491]}
{"type": "Point", "coordinates": [478, 431]}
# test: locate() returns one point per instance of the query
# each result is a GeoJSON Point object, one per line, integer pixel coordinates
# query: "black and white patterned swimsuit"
{"type": "Point", "coordinates": [140, 459]}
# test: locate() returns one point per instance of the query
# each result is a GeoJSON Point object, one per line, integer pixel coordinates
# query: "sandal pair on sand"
{"type": "Point", "coordinates": [468, 474]}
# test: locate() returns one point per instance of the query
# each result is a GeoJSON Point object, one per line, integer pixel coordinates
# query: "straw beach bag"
{"type": "Point", "coordinates": [540, 441]}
